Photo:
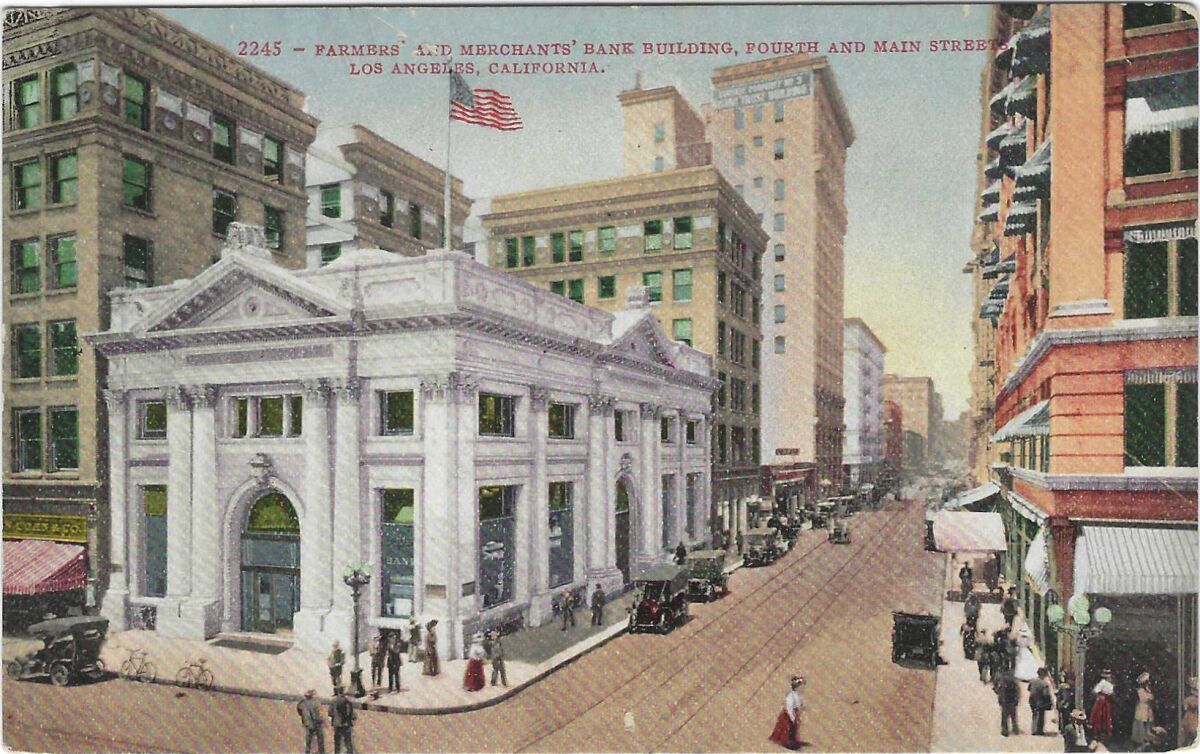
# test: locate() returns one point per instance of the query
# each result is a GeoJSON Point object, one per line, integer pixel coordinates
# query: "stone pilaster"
{"type": "Point", "coordinates": [316, 551]}
{"type": "Point", "coordinates": [202, 611]}
{"type": "Point", "coordinates": [116, 596]}
{"type": "Point", "coordinates": [169, 621]}
{"type": "Point", "coordinates": [533, 523]}
{"type": "Point", "coordinates": [347, 505]}
{"type": "Point", "coordinates": [679, 524]}
{"type": "Point", "coordinates": [601, 500]}
{"type": "Point", "coordinates": [649, 496]}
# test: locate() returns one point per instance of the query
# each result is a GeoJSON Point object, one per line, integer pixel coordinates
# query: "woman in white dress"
{"type": "Point", "coordinates": [1027, 667]}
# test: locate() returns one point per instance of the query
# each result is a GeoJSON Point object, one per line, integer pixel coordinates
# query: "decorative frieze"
{"type": "Point", "coordinates": [202, 396]}
{"type": "Point", "coordinates": [449, 386]}
{"type": "Point", "coordinates": [650, 410]}
{"type": "Point", "coordinates": [348, 390]}
{"type": "Point", "coordinates": [598, 402]}
{"type": "Point", "coordinates": [538, 397]}
{"type": "Point", "coordinates": [317, 392]}
{"type": "Point", "coordinates": [178, 397]}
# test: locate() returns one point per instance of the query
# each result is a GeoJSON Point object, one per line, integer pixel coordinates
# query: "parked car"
{"type": "Point", "coordinates": [706, 574]}
{"type": "Point", "coordinates": [840, 533]}
{"type": "Point", "coordinates": [915, 637]}
{"type": "Point", "coordinates": [661, 603]}
{"type": "Point", "coordinates": [760, 547]}
{"type": "Point", "coordinates": [71, 649]}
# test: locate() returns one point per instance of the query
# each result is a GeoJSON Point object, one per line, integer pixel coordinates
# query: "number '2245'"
{"type": "Point", "coordinates": [254, 48]}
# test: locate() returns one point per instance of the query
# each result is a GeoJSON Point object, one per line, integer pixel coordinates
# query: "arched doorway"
{"type": "Point", "coordinates": [270, 565]}
{"type": "Point", "coordinates": [622, 529]}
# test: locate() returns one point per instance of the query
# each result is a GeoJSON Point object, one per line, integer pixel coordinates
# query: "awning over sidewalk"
{"type": "Point", "coordinates": [962, 531]}
{"type": "Point", "coordinates": [1136, 560]}
{"type": "Point", "coordinates": [1034, 420]}
{"type": "Point", "coordinates": [971, 497]}
{"type": "Point", "coordinates": [39, 566]}
{"type": "Point", "coordinates": [1037, 564]}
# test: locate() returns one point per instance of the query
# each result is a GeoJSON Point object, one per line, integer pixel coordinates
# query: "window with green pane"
{"type": "Point", "coordinates": [136, 184]}
{"type": "Point", "coordinates": [497, 414]}
{"type": "Point", "coordinates": [139, 262]}
{"type": "Point", "coordinates": [653, 283]}
{"type": "Point", "coordinates": [28, 342]}
{"type": "Point", "coordinates": [681, 285]}
{"type": "Point", "coordinates": [27, 185]}
{"type": "Point", "coordinates": [414, 220]}
{"type": "Point", "coordinates": [1145, 425]}
{"type": "Point", "coordinates": [559, 287]}
{"type": "Point", "coordinates": [606, 286]}
{"type": "Point", "coordinates": [558, 248]}
{"type": "Point", "coordinates": [387, 208]}
{"type": "Point", "coordinates": [295, 415]}
{"type": "Point", "coordinates": [154, 498]}
{"type": "Point", "coordinates": [396, 551]}
{"type": "Point", "coordinates": [396, 412]}
{"type": "Point", "coordinates": [331, 200]}
{"type": "Point", "coordinates": [64, 178]}
{"type": "Point", "coordinates": [681, 330]}
{"type": "Point", "coordinates": [512, 253]}
{"type": "Point", "coordinates": [1160, 278]}
{"type": "Point", "coordinates": [399, 506]}
{"type": "Point", "coordinates": [575, 290]}
{"type": "Point", "coordinates": [64, 92]}
{"type": "Point", "coordinates": [28, 94]}
{"type": "Point", "coordinates": [64, 272]}
{"type": "Point", "coordinates": [330, 252]}
{"type": "Point", "coordinates": [272, 159]}
{"type": "Point", "coordinates": [137, 110]}
{"type": "Point", "coordinates": [64, 348]}
{"type": "Point", "coordinates": [561, 419]}
{"type": "Point", "coordinates": [152, 420]}
{"type": "Point", "coordinates": [683, 233]}
{"type": "Point", "coordinates": [528, 251]}
{"type": "Point", "coordinates": [576, 246]}
{"type": "Point", "coordinates": [273, 226]}
{"type": "Point", "coordinates": [1185, 278]}
{"type": "Point", "coordinates": [1185, 424]}
{"type": "Point", "coordinates": [241, 417]}
{"type": "Point", "coordinates": [64, 438]}
{"type": "Point", "coordinates": [27, 442]}
{"type": "Point", "coordinates": [26, 266]}
{"type": "Point", "coordinates": [608, 239]}
{"type": "Point", "coordinates": [270, 416]}
{"type": "Point", "coordinates": [1138, 15]}
{"type": "Point", "coordinates": [273, 512]}
{"type": "Point", "coordinates": [652, 235]}
{"type": "Point", "coordinates": [224, 134]}
{"type": "Point", "coordinates": [224, 211]}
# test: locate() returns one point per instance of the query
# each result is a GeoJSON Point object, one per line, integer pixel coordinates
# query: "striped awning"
{"type": "Point", "coordinates": [1159, 233]}
{"type": "Point", "coordinates": [1037, 564]}
{"type": "Point", "coordinates": [1162, 103]}
{"type": "Point", "coordinates": [990, 213]}
{"type": "Point", "coordinates": [993, 169]}
{"type": "Point", "coordinates": [1023, 98]}
{"type": "Point", "coordinates": [994, 138]}
{"type": "Point", "coordinates": [1000, 98]}
{"type": "Point", "coordinates": [975, 496]}
{"type": "Point", "coordinates": [999, 291]}
{"type": "Point", "coordinates": [1033, 178]}
{"type": "Point", "coordinates": [1136, 560]}
{"type": "Point", "coordinates": [991, 194]}
{"type": "Point", "coordinates": [40, 566]}
{"type": "Point", "coordinates": [962, 531]}
{"type": "Point", "coordinates": [1032, 53]}
{"type": "Point", "coordinates": [1022, 218]}
{"type": "Point", "coordinates": [1034, 420]}
{"type": "Point", "coordinates": [1013, 147]}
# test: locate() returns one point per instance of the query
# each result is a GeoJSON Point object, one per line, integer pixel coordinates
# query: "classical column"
{"type": "Point", "coordinates": [679, 524]}
{"type": "Point", "coordinates": [346, 506]}
{"type": "Point", "coordinates": [179, 493]}
{"type": "Point", "coordinates": [464, 501]}
{"type": "Point", "coordinates": [436, 511]}
{"type": "Point", "coordinates": [116, 597]}
{"type": "Point", "coordinates": [202, 610]}
{"type": "Point", "coordinates": [316, 544]}
{"type": "Point", "coordinates": [533, 524]}
{"type": "Point", "coordinates": [650, 502]}
{"type": "Point", "coordinates": [704, 491]}
{"type": "Point", "coordinates": [599, 502]}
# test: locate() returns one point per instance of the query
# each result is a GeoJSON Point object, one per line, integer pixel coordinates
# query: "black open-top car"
{"type": "Point", "coordinates": [661, 602]}
{"type": "Point", "coordinates": [915, 637]}
{"type": "Point", "coordinates": [706, 574]}
{"type": "Point", "coordinates": [761, 547]}
{"type": "Point", "coordinates": [71, 649]}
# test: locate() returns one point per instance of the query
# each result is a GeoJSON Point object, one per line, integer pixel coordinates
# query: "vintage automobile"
{"type": "Point", "coordinates": [760, 547]}
{"type": "Point", "coordinates": [821, 513]}
{"type": "Point", "coordinates": [840, 533]}
{"type": "Point", "coordinates": [706, 575]}
{"type": "Point", "coordinates": [915, 637]}
{"type": "Point", "coordinates": [661, 602]}
{"type": "Point", "coordinates": [71, 650]}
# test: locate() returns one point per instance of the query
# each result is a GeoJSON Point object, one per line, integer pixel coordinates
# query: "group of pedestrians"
{"type": "Point", "coordinates": [342, 717]}
{"type": "Point", "coordinates": [568, 602]}
{"type": "Point", "coordinates": [487, 646]}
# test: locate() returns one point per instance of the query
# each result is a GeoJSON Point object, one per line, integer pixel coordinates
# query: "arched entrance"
{"type": "Point", "coordinates": [622, 529]}
{"type": "Point", "coordinates": [270, 565]}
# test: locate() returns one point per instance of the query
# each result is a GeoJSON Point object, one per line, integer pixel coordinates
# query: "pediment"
{"type": "Point", "coordinates": [646, 342]}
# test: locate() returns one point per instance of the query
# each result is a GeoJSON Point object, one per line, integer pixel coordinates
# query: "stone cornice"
{"type": "Point", "coordinates": [1147, 480]}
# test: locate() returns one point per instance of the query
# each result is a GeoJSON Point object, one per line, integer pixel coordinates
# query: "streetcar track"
{"type": "Point", "coordinates": [124, 744]}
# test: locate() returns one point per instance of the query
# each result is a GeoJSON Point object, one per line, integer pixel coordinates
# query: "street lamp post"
{"type": "Point", "coordinates": [1086, 624]}
{"type": "Point", "coordinates": [356, 577]}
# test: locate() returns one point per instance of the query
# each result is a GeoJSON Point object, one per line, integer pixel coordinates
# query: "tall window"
{"type": "Point", "coordinates": [559, 287]}
{"type": "Point", "coordinates": [26, 266]}
{"type": "Point", "coordinates": [780, 252]}
{"type": "Point", "coordinates": [721, 287]}
{"type": "Point", "coordinates": [779, 149]}
{"type": "Point", "coordinates": [619, 427]}
{"type": "Point", "coordinates": [27, 97]}
{"type": "Point", "coordinates": [575, 240]}
{"type": "Point", "coordinates": [497, 415]}
{"type": "Point", "coordinates": [558, 248]}
{"type": "Point", "coordinates": [152, 420]}
{"type": "Point", "coordinates": [396, 412]}
{"type": "Point", "coordinates": [652, 235]}
{"type": "Point", "coordinates": [1160, 423]}
{"type": "Point", "coordinates": [414, 220]}
{"type": "Point", "coordinates": [136, 184]}
{"type": "Point", "coordinates": [397, 550]}
{"type": "Point", "coordinates": [608, 239]}
{"type": "Point", "coordinates": [722, 380]}
{"type": "Point", "coordinates": [758, 113]}
{"type": "Point", "coordinates": [138, 258]}
{"type": "Point", "coordinates": [755, 353]}
{"type": "Point", "coordinates": [575, 290]}
{"type": "Point", "coordinates": [272, 159]}
{"type": "Point", "coordinates": [780, 283]}
{"type": "Point", "coordinates": [660, 164]}
{"type": "Point", "coordinates": [63, 270]}
{"type": "Point", "coordinates": [689, 433]}
{"type": "Point", "coordinates": [136, 101]}
{"type": "Point", "coordinates": [64, 92]}
{"type": "Point", "coordinates": [330, 252]}
{"type": "Point", "coordinates": [722, 445]}
{"type": "Point", "coordinates": [681, 330]}
{"type": "Point", "coordinates": [64, 178]}
{"type": "Point", "coordinates": [780, 344]}
{"type": "Point", "coordinates": [681, 284]}
{"type": "Point", "coordinates": [64, 348]}
{"type": "Point", "coordinates": [497, 544]}
{"type": "Point", "coordinates": [780, 313]}
{"type": "Point", "coordinates": [27, 185]}
{"type": "Point", "coordinates": [331, 200]}
{"type": "Point", "coordinates": [27, 439]}
{"type": "Point", "coordinates": [1160, 279]}
{"type": "Point", "coordinates": [64, 437]}
{"type": "Point", "coordinates": [721, 339]}
{"type": "Point", "coordinates": [653, 283]}
{"type": "Point", "coordinates": [512, 253]}
{"type": "Point", "coordinates": [224, 138]}
{"type": "Point", "coordinates": [27, 361]}
{"type": "Point", "coordinates": [739, 154]}
{"type": "Point", "coordinates": [1151, 149]}
{"type": "Point", "coordinates": [779, 190]}
{"type": "Point", "coordinates": [562, 421]}
{"type": "Point", "coordinates": [528, 251]}
{"type": "Point", "coordinates": [683, 233]}
{"type": "Point", "coordinates": [154, 501]}
{"type": "Point", "coordinates": [660, 133]}
{"type": "Point", "coordinates": [779, 221]}
{"type": "Point", "coordinates": [562, 534]}
{"type": "Point", "coordinates": [387, 208]}
{"type": "Point", "coordinates": [666, 430]}
{"type": "Point", "coordinates": [224, 211]}
{"type": "Point", "coordinates": [606, 286]}
{"type": "Point", "coordinates": [739, 118]}
{"type": "Point", "coordinates": [779, 111]}
{"type": "Point", "coordinates": [273, 226]}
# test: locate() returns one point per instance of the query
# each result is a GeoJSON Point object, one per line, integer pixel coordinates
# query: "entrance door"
{"type": "Point", "coordinates": [622, 530]}
{"type": "Point", "coordinates": [270, 565]}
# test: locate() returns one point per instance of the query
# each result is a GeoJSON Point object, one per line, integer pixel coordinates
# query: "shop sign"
{"type": "Point", "coordinates": [798, 85]}
{"type": "Point", "coordinates": [41, 526]}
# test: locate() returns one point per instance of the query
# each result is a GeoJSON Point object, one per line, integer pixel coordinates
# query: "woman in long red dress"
{"type": "Point", "coordinates": [473, 680]}
{"type": "Point", "coordinates": [787, 725]}
{"type": "Point", "coordinates": [1102, 717]}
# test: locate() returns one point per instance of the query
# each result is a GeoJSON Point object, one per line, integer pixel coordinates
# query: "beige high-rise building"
{"type": "Point", "coordinates": [921, 407]}
{"type": "Point", "coordinates": [779, 131]}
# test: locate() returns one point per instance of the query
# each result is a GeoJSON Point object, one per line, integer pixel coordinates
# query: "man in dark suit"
{"type": "Point", "coordinates": [309, 710]}
{"type": "Point", "coordinates": [395, 652]}
{"type": "Point", "coordinates": [1040, 701]}
{"type": "Point", "coordinates": [1009, 607]}
{"type": "Point", "coordinates": [1008, 696]}
{"type": "Point", "coordinates": [983, 656]}
{"type": "Point", "coordinates": [598, 601]}
{"type": "Point", "coordinates": [566, 603]}
{"type": "Point", "coordinates": [342, 716]}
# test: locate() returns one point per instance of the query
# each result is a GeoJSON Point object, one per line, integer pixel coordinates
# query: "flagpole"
{"type": "Point", "coordinates": [446, 223]}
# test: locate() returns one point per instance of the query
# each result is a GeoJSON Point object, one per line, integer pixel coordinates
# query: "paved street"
{"type": "Point", "coordinates": [716, 684]}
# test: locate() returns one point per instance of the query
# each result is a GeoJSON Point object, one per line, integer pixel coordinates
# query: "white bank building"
{"type": "Point", "coordinates": [480, 444]}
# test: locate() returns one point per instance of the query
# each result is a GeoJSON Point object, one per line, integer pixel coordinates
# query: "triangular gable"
{"type": "Point", "coordinates": [645, 340]}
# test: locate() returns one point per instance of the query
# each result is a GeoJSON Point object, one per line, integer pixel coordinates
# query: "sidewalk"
{"type": "Point", "coordinates": [966, 716]}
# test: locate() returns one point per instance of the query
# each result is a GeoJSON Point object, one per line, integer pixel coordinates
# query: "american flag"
{"type": "Point", "coordinates": [482, 107]}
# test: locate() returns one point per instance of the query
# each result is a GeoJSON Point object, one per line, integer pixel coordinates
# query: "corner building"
{"type": "Point", "coordinates": [695, 246]}
{"type": "Point", "coordinates": [130, 145]}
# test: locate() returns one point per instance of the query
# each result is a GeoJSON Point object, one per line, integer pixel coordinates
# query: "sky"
{"type": "Point", "coordinates": [910, 175]}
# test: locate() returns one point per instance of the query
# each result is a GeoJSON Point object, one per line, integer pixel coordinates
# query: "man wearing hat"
{"type": "Point", "coordinates": [309, 710]}
{"type": "Point", "coordinates": [1009, 608]}
{"type": "Point", "coordinates": [1064, 700]}
{"type": "Point", "coordinates": [336, 661]}
{"type": "Point", "coordinates": [1040, 701]}
{"type": "Point", "coordinates": [342, 716]}
{"type": "Point", "coordinates": [1008, 696]}
{"type": "Point", "coordinates": [431, 655]}
{"type": "Point", "coordinates": [496, 652]}
{"type": "Point", "coordinates": [598, 601]}
{"type": "Point", "coordinates": [1077, 734]}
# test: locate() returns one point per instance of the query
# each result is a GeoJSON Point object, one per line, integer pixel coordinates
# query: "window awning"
{"type": "Point", "coordinates": [1158, 233]}
{"type": "Point", "coordinates": [1136, 560]}
{"type": "Point", "coordinates": [976, 496]}
{"type": "Point", "coordinates": [993, 169]}
{"type": "Point", "coordinates": [1034, 420]}
{"type": "Point", "coordinates": [990, 213]}
{"type": "Point", "coordinates": [1032, 46]}
{"type": "Point", "coordinates": [1009, 265]}
{"type": "Point", "coordinates": [998, 101]}
{"type": "Point", "coordinates": [1005, 56]}
{"type": "Point", "coordinates": [990, 310]}
{"type": "Point", "coordinates": [1012, 148]}
{"type": "Point", "coordinates": [1037, 564]}
{"type": "Point", "coordinates": [1162, 103]}
{"type": "Point", "coordinates": [999, 291]}
{"type": "Point", "coordinates": [994, 138]}
{"type": "Point", "coordinates": [963, 531]}
{"type": "Point", "coordinates": [1033, 178]}
{"type": "Point", "coordinates": [1022, 217]}
{"type": "Point", "coordinates": [1023, 98]}
{"type": "Point", "coordinates": [40, 566]}
{"type": "Point", "coordinates": [991, 194]}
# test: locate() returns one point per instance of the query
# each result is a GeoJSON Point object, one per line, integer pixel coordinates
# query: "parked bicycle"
{"type": "Point", "coordinates": [195, 675]}
{"type": "Point", "coordinates": [138, 667]}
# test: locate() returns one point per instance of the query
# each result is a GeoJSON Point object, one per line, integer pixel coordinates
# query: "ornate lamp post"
{"type": "Point", "coordinates": [1086, 624]}
{"type": "Point", "coordinates": [356, 577]}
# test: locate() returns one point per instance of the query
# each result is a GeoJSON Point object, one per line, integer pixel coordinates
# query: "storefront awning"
{"type": "Point", "coordinates": [990, 310]}
{"type": "Point", "coordinates": [1159, 233]}
{"type": "Point", "coordinates": [1034, 420]}
{"type": "Point", "coordinates": [1037, 564]}
{"type": "Point", "coordinates": [976, 496]}
{"type": "Point", "coordinates": [1022, 218]}
{"type": "Point", "coordinates": [1004, 57]}
{"type": "Point", "coordinates": [963, 531]}
{"type": "Point", "coordinates": [1162, 103]}
{"type": "Point", "coordinates": [1023, 98]}
{"type": "Point", "coordinates": [40, 566]}
{"type": "Point", "coordinates": [1136, 560]}
{"type": "Point", "coordinates": [1032, 46]}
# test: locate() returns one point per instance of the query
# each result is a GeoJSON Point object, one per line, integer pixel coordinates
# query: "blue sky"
{"type": "Point", "coordinates": [910, 177]}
